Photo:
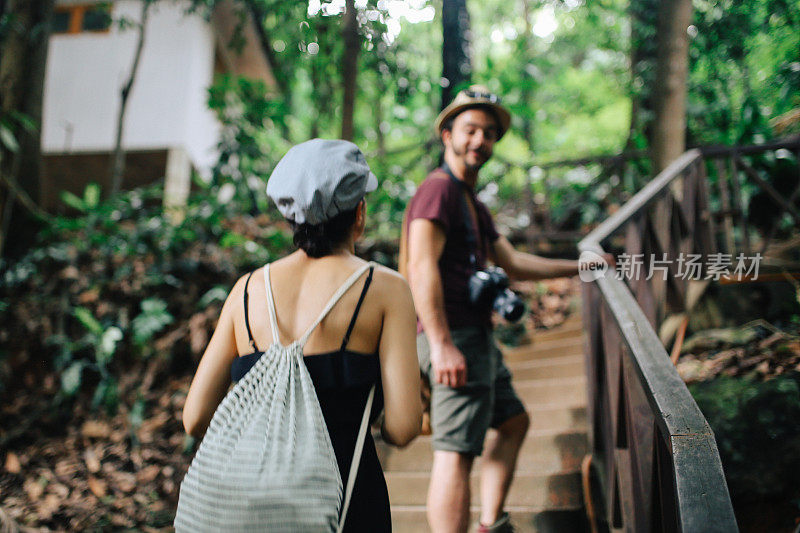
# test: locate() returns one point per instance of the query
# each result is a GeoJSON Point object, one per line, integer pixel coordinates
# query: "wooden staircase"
{"type": "Point", "coordinates": [546, 494]}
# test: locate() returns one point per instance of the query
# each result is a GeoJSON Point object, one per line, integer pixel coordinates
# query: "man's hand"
{"type": "Point", "coordinates": [609, 259]}
{"type": "Point", "coordinates": [449, 365]}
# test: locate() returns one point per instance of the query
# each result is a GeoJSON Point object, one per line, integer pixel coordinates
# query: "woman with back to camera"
{"type": "Point", "coordinates": [366, 339]}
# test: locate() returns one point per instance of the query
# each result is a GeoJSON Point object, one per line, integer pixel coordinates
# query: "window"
{"type": "Point", "coordinates": [82, 18]}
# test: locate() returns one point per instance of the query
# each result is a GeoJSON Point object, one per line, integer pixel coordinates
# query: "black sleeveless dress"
{"type": "Point", "coordinates": [342, 380]}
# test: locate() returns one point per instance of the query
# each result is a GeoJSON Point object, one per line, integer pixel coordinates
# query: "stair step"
{"type": "Point", "coordinates": [560, 347]}
{"type": "Point", "coordinates": [558, 419]}
{"type": "Point", "coordinates": [566, 330]}
{"type": "Point", "coordinates": [535, 391]}
{"type": "Point", "coordinates": [542, 451]}
{"type": "Point", "coordinates": [550, 367]}
{"type": "Point", "coordinates": [546, 495]}
{"type": "Point", "coordinates": [540, 491]}
{"type": "Point", "coordinates": [412, 519]}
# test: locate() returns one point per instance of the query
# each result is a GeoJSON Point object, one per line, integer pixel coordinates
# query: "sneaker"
{"type": "Point", "coordinates": [502, 525]}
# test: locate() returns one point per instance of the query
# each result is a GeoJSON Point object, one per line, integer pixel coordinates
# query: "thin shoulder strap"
{"type": "Point", "coordinates": [247, 315]}
{"type": "Point", "coordinates": [334, 299]}
{"type": "Point", "coordinates": [351, 477]}
{"type": "Point", "coordinates": [273, 321]}
{"type": "Point", "coordinates": [358, 308]}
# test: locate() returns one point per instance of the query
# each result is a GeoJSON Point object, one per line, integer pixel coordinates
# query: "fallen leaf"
{"type": "Point", "coordinates": [148, 474]}
{"type": "Point", "coordinates": [13, 465]}
{"type": "Point", "coordinates": [58, 489]}
{"type": "Point", "coordinates": [95, 429]}
{"type": "Point", "coordinates": [125, 481]}
{"type": "Point", "coordinates": [97, 486]}
{"type": "Point", "coordinates": [48, 506]}
{"type": "Point", "coordinates": [91, 460]}
{"type": "Point", "coordinates": [89, 296]}
{"type": "Point", "coordinates": [66, 467]}
{"type": "Point", "coordinates": [70, 272]}
{"type": "Point", "coordinates": [33, 488]}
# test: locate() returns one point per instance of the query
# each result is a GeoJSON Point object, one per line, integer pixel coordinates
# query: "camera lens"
{"type": "Point", "coordinates": [509, 305]}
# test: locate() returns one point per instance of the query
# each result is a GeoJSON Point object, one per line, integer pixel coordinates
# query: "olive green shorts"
{"type": "Point", "coordinates": [461, 416]}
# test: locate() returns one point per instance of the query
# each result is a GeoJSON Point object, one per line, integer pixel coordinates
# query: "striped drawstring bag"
{"type": "Point", "coordinates": [266, 462]}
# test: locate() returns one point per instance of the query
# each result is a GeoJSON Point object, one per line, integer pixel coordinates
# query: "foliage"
{"type": "Point", "coordinates": [127, 283]}
{"type": "Point", "coordinates": [10, 123]}
{"type": "Point", "coordinates": [757, 426]}
{"type": "Point", "coordinates": [249, 146]}
{"type": "Point", "coordinates": [744, 69]}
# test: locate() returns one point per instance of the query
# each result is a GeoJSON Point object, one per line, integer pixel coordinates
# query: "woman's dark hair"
{"type": "Point", "coordinates": [319, 240]}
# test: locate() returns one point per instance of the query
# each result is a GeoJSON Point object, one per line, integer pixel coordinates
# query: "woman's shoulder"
{"type": "Point", "coordinates": [247, 279]}
{"type": "Point", "coordinates": [388, 275]}
{"type": "Point", "coordinates": [389, 283]}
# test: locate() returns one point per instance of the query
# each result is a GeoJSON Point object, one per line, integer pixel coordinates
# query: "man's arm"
{"type": "Point", "coordinates": [520, 265]}
{"type": "Point", "coordinates": [426, 242]}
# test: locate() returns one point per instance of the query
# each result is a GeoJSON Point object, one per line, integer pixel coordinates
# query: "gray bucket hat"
{"type": "Point", "coordinates": [318, 179]}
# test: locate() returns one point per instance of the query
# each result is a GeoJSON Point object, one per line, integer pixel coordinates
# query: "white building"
{"type": "Point", "coordinates": [168, 129]}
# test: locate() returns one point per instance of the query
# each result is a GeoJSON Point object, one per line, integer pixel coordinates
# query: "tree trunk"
{"type": "Point", "coordinates": [349, 68]}
{"type": "Point", "coordinates": [23, 55]}
{"type": "Point", "coordinates": [644, 50]}
{"type": "Point", "coordinates": [456, 56]}
{"type": "Point", "coordinates": [669, 128]}
{"type": "Point", "coordinates": [118, 160]}
{"type": "Point", "coordinates": [527, 122]}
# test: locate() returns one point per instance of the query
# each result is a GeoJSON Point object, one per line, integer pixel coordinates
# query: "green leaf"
{"type": "Point", "coordinates": [107, 395]}
{"type": "Point", "coordinates": [71, 378]}
{"type": "Point", "coordinates": [91, 196]}
{"type": "Point", "coordinates": [232, 240]}
{"type": "Point", "coordinates": [108, 344]}
{"type": "Point", "coordinates": [153, 318]}
{"type": "Point", "coordinates": [88, 320]}
{"type": "Point", "coordinates": [8, 139]}
{"type": "Point", "coordinates": [73, 201]}
{"type": "Point", "coordinates": [216, 294]}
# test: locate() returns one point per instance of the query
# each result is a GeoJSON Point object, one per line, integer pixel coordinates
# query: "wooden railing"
{"type": "Point", "coordinates": [735, 171]}
{"type": "Point", "coordinates": [656, 455]}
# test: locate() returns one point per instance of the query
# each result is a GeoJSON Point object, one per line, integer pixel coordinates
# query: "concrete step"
{"type": "Point", "coordinates": [542, 451]}
{"type": "Point", "coordinates": [412, 519]}
{"type": "Point", "coordinates": [549, 367]}
{"type": "Point", "coordinates": [538, 491]}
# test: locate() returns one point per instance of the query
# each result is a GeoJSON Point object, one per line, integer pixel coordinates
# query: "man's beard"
{"type": "Point", "coordinates": [476, 166]}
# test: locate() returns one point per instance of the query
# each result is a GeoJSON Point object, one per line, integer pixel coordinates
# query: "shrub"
{"type": "Point", "coordinates": [757, 426]}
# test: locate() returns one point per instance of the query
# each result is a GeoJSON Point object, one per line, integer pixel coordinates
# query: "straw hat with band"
{"type": "Point", "coordinates": [475, 96]}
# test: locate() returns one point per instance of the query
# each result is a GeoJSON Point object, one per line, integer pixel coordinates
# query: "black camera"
{"type": "Point", "coordinates": [490, 288]}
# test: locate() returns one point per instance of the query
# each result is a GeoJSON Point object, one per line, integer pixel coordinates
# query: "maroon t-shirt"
{"type": "Point", "coordinates": [440, 200]}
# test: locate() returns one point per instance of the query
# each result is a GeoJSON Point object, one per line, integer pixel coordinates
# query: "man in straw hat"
{"type": "Point", "coordinates": [450, 236]}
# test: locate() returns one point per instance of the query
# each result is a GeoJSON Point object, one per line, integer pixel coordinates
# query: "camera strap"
{"type": "Point", "coordinates": [472, 234]}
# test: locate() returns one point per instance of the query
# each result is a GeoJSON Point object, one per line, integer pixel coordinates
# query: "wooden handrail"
{"type": "Point", "coordinates": [639, 201]}
{"type": "Point", "coordinates": [703, 502]}
{"type": "Point", "coordinates": [686, 489]}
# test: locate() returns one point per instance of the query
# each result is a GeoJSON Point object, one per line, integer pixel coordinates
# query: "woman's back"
{"type": "Point", "coordinates": [319, 186]}
{"type": "Point", "coordinates": [342, 380]}
{"type": "Point", "coordinates": [301, 287]}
